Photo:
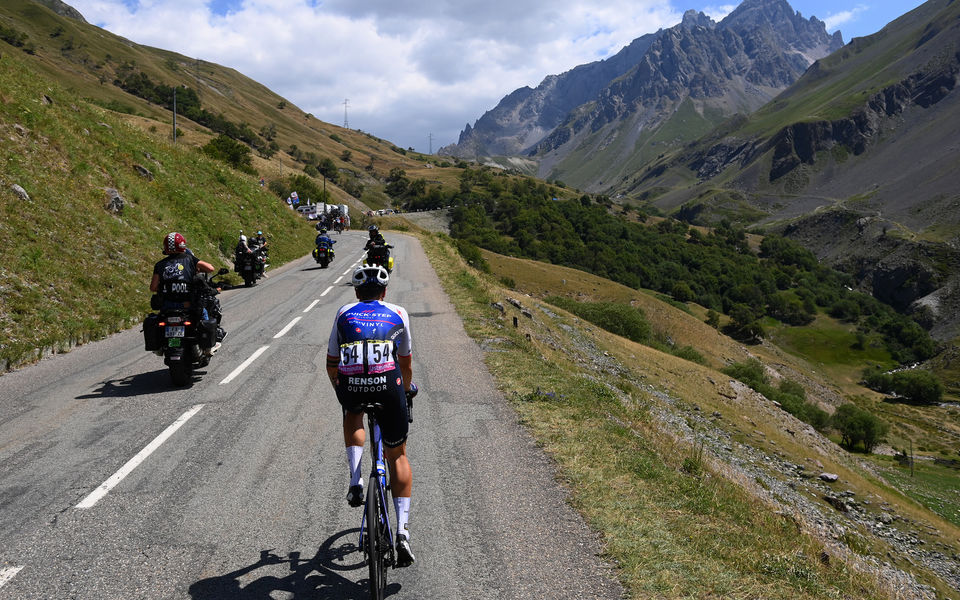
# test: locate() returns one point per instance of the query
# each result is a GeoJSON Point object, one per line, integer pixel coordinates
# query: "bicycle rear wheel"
{"type": "Point", "coordinates": [377, 542]}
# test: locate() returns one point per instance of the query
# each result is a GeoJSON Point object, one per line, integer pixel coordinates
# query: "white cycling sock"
{"type": "Point", "coordinates": [354, 454]}
{"type": "Point", "coordinates": [402, 506]}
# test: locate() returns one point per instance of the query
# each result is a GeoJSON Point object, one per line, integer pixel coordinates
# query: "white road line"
{"type": "Point", "coordinates": [338, 280]}
{"type": "Point", "coordinates": [312, 304]}
{"type": "Point", "coordinates": [287, 328]}
{"type": "Point", "coordinates": [244, 365]}
{"type": "Point", "coordinates": [8, 573]}
{"type": "Point", "coordinates": [326, 290]}
{"type": "Point", "coordinates": [347, 272]}
{"type": "Point", "coordinates": [132, 464]}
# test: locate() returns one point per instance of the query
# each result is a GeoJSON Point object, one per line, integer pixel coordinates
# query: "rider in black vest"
{"type": "Point", "coordinates": [173, 276]}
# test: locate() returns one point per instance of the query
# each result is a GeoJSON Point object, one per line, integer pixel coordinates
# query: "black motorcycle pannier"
{"type": "Point", "coordinates": [207, 333]}
{"type": "Point", "coordinates": [152, 333]}
{"type": "Point", "coordinates": [155, 302]}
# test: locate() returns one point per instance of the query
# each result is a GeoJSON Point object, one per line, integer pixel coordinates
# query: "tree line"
{"type": "Point", "coordinates": [524, 217]}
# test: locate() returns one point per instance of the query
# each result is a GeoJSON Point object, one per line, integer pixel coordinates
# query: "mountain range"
{"type": "Point", "coordinates": [596, 123]}
{"type": "Point", "coordinates": [765, 120]}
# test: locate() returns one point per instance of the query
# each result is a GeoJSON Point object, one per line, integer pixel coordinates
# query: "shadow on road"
{"type": "Point", "coordinates": [308, 578]}
{"type": "Point", "coordinates": [150, 382]}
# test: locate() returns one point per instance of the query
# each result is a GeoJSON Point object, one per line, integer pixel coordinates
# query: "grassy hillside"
{"type": "Point", "coordinates": [699, 487]}
{"type": "Point", "coordinates": [74, 270]}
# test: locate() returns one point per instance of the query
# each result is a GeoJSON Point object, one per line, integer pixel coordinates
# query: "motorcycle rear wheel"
{"type": "Point", "coordinates": [180, 372]}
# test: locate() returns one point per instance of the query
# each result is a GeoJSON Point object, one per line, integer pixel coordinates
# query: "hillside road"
{"type": "Point", "coordinates": [234, 487]}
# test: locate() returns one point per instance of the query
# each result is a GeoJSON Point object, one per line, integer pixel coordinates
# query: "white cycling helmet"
{"type": "Point", "coordinates": [373, 275]}
{"type": "Point", "coordinates": [243, 238]}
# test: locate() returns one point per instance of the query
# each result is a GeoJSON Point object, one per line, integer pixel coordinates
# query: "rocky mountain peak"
{"type": "Point", "coordinates": [63, 9]}
{"type": "Point", "coordinates": [735, 65]}
{"type": "Point", "coordinates": [692, 19]}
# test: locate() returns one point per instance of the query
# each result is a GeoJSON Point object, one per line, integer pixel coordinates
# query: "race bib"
{"type": "Point", "coordinates": [366, 356]}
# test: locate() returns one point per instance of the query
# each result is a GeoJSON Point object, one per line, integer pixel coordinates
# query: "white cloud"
{"type": "Point", "coordinates": [834, 21]}
{"type": "Point", "coordinates": [409, 68]}
{"type": "Point", "coordinates": [717, 13]}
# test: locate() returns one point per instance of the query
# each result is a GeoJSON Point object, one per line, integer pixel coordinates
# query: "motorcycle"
{"type": "Point", "coordinates": [323, 254]}
{"type": "Point", "coordinates": [181, 335]}
{"type": "Point", "coordinates": [379, 254]}
{"type": "Point", "coordinates": [250, 266]}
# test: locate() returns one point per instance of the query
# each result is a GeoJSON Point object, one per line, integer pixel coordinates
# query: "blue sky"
{"type": "Point", "coordinates": [854, 18]}
{"type": "Point", "coordinates": [412, 68]}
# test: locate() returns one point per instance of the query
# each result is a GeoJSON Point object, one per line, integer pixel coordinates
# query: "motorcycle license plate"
{"type": "Point", "coordinates": [176, 331]}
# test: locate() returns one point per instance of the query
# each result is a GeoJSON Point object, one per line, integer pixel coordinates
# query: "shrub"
{"type": "Point", "coordinates": [689, 353]}
{"type": "Point", "coordinates": [471, 254]}
{"type": "Point", "coordinates": [750, 372]}
{"type": "Point", "coordinates": [918, 386]}
{"type": "Point", "coordinates": [789, 394]}
{"type": "Point", "coordinates": [915, 385]}
{"type": "Point", "coordinates": [620, 319]}
{"type": "Point", "coordinates": [858, 426]}
{"type": "Point", "coordinates": [713, 319]}
{"type": "Point", "coordinates": [234, 153]}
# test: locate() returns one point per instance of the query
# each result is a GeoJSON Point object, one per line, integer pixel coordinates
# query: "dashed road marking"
{"type": "Point", "coordinates": [312, 304]}
{"type": "Point", "coordinates": [244, 365]}
{"type": "Point", "coordinates": [289, 326]}
{"type": "Point", "coordinates": [8, 573]}
{"type": "Point", "coordinates": [95, 496]}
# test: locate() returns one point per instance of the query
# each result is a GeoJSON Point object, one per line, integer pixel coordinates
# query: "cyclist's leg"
{"type": "Point", "coordinates": [401, 485]}
{"type": "Point", "coordinates": [354, 437]}
{"type": "Point", "coordinates": [394, 426]}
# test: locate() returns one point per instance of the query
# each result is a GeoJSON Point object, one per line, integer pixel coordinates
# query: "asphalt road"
{"type": "Point", "coordinates": [243, 493]}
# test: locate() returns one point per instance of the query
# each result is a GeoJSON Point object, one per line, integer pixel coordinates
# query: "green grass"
{"type": "Point", "coordinates": [828, 341]}
{"type": "Point", "coordinates": [666, 520]}
{"type": "Point", "coordinates": [77, 271]}
{"type": "Point", "coordinates": [935, 486]}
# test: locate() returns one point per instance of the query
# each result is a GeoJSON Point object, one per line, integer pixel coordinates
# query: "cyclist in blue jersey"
{"type": "Point", "coordinates": [369, 356]}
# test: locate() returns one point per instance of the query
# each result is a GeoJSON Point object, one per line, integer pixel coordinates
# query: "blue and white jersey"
{"type": "Point", "coordinates": [368, 337]}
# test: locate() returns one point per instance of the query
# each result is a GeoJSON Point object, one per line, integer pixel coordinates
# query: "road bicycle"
{"type": "Point", "coordinates": [376, 535]}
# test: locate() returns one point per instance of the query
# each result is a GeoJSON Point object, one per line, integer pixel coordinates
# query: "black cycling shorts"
{"type": "Point", "coordinates": [353, 391]}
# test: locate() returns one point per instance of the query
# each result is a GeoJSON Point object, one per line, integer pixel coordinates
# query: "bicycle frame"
{"type": "Point", "coordinates": [378, 486]}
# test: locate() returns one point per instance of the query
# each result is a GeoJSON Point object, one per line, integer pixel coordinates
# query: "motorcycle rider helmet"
{"type": "Point", "coordinates": [243, 238]}
{"type": "Point", "coordinates": [374, 230]}
{"type": "Point", "coordinates": [370, 276]}
{"type": "Point", "coordinates": [259, 232]}
{"type": "Point", "coordinates": [323, 231]}
{"type": "Point", "coordinates": [174, 243]}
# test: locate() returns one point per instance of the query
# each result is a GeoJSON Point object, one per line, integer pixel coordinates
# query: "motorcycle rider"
{"type": "Point", "coordinates": [376, 239]}
{"type": "Point", "coordinates": [173, 276]}
{"type": "Point", "coordinates": [323, 238]}
{"type": "Point", "coordinates": [240, 251]}
{"type": "Point", "coordinates": [380, 332]}
{"type": "Point", "coordinates": [258, 245]}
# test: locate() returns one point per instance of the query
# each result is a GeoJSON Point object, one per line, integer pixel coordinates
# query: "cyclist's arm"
{"type": "Point", "coordinates": [333, 350]}
{"type": "Point", "coordinates": [406, 370]}
{"type": "Point", "coordinates": [155, 283]}
{"type": "Point", "coordinates": [332, 372]}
